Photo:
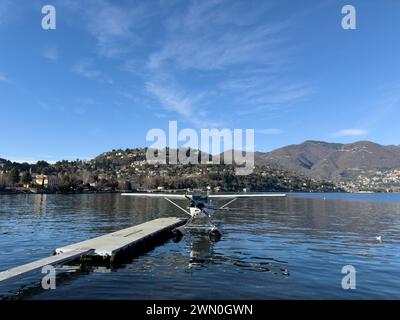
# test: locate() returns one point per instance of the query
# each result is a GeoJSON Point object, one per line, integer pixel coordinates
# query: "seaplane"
{"type": "Point", "coordinates": [201, 208]}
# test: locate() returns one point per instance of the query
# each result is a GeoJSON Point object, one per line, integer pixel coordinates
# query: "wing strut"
{"type": "Point", "coordinates": [178, 206]}
{"type": "Point", "coordinates": [227, 203]}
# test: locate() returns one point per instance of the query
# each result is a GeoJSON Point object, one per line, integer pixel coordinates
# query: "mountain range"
{"type": "Point", "coordinates": [321, 160]}
{"type": "Point", "coordinates": [333, 161]}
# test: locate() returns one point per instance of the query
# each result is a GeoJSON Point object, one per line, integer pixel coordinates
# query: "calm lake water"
{"type": "Point", "coordinates": [290, 248]}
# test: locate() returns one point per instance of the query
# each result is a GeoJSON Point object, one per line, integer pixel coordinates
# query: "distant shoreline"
{"type": "Point", "coordinates": [120, 192]}
{"type": "Point", "coordinates": [56, 192]}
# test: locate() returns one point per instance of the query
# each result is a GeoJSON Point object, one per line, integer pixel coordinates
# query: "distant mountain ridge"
{"type": "Point", "coordinates": [337, 162]}
{"type": "Point", "coordinates": [332, 161]}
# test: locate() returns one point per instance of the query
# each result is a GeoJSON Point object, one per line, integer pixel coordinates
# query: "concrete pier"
{"type": "Point", "coordinates": [111, 247]}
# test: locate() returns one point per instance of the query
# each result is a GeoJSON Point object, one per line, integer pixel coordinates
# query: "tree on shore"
{"type": "Point", "coordinates": [26, 177]}
{"type": "Point", "coordinates": [13, 176]}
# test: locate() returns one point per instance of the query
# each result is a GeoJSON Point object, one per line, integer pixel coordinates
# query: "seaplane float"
{"type": "Point", "coordinates": [201, 208]}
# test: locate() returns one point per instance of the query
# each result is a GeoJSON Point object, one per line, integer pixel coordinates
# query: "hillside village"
{"type": "Point", "coordinates": [376, 181]}
{"type": "Point", "coordinates": [126, 170]}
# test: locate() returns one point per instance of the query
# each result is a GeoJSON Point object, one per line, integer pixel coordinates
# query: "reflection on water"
{"type": "Point", "coordinates": [201, 249]}
{"type": "Point", "coordinates": [202, 253]}
{"type": "Point", "coordinates": [270, 248]}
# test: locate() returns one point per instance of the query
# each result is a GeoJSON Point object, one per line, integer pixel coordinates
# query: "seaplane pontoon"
{"type": "Point", "coordinates": [201, 208]}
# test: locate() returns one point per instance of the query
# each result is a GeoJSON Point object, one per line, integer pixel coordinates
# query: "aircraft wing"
{"type": "Point", "coordinates": [157, 195]}
{"type": "Point", "coordinates": [247, 195]}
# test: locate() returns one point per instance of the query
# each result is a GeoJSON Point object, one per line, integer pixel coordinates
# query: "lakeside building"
{"type": "Point", "coordinates": [46, 180]}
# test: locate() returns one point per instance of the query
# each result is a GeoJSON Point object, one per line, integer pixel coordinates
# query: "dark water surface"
{"type": "Point", "coordinates": [291, 248]}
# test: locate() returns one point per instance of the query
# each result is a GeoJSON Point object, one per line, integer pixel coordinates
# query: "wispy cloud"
{"type": "Point", "coordinates": [350, 133]}
{"type": "Point", "coordinates": [247, 54]}
{"type": "Point", "coordinates": [3, 77]}
{"type": "Point", "coordinates": [238, 51]}
{"type": "Point", "coordinates": [383, 108]}
{"type": "Point", "coordinates": [189, 105]}
{"type": "Point", "coordinates": [172, 100]}
{"type": "Point", "coordinates": [112, 25]}
{"type": "Point", "coordinates": [211, 35]}
{"type": "Point", "coordinates": [253, 93]}
{"type": "Point", "coordinates": [50, 53]}
{"type": "Point", "coordinates": [87, 69]}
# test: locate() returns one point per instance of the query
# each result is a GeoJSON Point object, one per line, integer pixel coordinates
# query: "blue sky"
{"type": "Point", "coordinates": [112, 70]}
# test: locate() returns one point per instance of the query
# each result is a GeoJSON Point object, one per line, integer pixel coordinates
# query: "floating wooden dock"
{"type": "Point", "coordinates": [113, 246]}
